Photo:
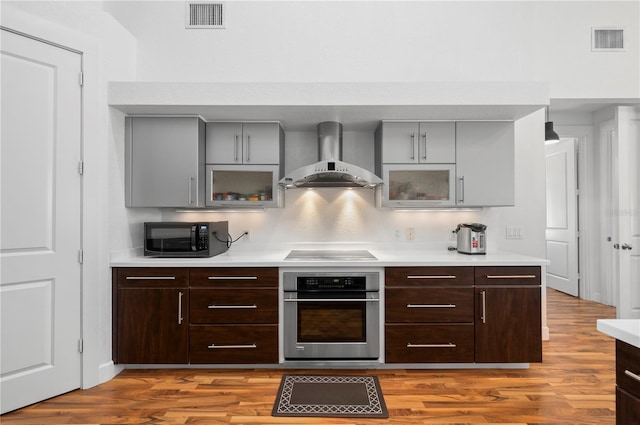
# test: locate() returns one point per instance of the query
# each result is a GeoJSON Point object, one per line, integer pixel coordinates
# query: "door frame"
{"type": "Point", "coordinates": [574, 192]}
{"type": "Point", "coordinates": [95, 274]}
{"type": "Point", "coordinates": [585, 218]}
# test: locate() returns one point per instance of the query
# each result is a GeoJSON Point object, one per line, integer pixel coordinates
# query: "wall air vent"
{"type": "Point", "coordinates": [607, 39]}
{"type": "Point", "coordinates": [203, 15]}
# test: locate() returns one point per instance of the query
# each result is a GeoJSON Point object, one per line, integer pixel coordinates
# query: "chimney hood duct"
{"type": "Point", "coordinates": [330, 171]}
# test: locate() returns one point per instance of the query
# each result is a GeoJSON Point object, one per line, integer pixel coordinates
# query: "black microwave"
{"type": "Point", "coordinates": [186, 240]}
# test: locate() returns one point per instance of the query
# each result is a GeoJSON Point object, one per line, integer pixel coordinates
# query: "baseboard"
{"type": "Point", "coordinates": [108, 371]}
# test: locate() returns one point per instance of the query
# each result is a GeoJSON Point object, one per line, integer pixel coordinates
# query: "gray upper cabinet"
{"type": "Point", "coordinates": [418, 142]}
{"type": "Point", "coordinates": [244, 143]}
{"type": "Point", "coordinates": [485, 163]}
{"type": "Point", "coordinates": [165, 162]}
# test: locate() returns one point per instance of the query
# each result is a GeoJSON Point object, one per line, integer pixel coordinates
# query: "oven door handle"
{"type": "Point", "coordinates": [339, 300]}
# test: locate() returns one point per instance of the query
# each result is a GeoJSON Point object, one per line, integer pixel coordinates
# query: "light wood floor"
{"type": "Point", "coordinates": [574, 385]}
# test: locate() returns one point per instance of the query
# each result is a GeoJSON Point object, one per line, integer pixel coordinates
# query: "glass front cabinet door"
{"type": "Point", "coordinates": [243, 186]}
{"type": "Point", "coordinates": [426, 185]}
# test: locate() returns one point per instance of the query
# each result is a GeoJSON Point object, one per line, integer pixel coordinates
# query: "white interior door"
{"type": "Point", "coordinates": [40, 221]}
{"type": "Point", "coordinates": [562, 216]}
{"type": "Point", "coordinates": [628, 237]}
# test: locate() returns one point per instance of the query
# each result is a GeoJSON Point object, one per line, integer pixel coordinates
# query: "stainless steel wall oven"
{"type": "Point", "coordinates": [331, 315]}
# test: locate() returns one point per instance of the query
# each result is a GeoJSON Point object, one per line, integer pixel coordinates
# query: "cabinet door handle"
{"type": "Point", "coordinates": [218, 346]}
{"type": "Point", "coordinates": [448, 345]}
{"type": "Point", "coordinates": [434, 276]}
{"type": "Point", "coordinates": [230, 307]}
{"type": "Point", "coordinates": [235, 147]}
{"type": "Point", "coordinates": [232, 278]}
{"type": "Point", "coordinates": [512, 276]}
{"type": "Point", "coordinates": [190, 190]}
{"type": "Point", "coordinates": [180, 308]}
{"type": "Point", "coordinates": [632, 375]}
{"type": "Point", "coordinates": [424, 152]}
{"type": "Point", "coordinates": [461, 178]}
{"type": "Point", "coordinates": [248, 147]}
{"type": "Point", "coordinates": [431, 306]}
{"type": "Point", "coordinates": [150, 278]}
{"type": "Point", "coordinates": [483, 295]}
{"type": "Point", "coordinates": [413, 146]}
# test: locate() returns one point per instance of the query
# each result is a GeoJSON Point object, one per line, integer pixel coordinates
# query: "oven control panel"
{"type": "Point", "coordinates": [319, 283]}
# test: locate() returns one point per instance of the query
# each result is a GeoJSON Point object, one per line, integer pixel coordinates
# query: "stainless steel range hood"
{"type": "Point", "coordinates": [330, 170]}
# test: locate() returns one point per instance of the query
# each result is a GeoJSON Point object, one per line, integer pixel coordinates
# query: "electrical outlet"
{"type": "Point", "coordinates": [247, 235]}
{"type": "Point", "coordinates": [397, 234]}
{"type": "Point", "coordinates": [410, 233]}
{"type": "Point", "coordinates": [453, 236]}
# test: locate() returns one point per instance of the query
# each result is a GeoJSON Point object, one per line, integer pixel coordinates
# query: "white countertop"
{"type": "Point", "coordinates": [627, 330]}
{"type": "Point", "coordinates": [385, 258]}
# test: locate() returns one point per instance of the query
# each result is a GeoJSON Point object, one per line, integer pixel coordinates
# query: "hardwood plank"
{"type": "Point", "coordinates": [575, 383]}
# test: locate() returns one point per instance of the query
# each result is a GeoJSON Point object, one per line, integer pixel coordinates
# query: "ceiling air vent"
{"type": "Point", "coordinates": [607, 39]}
{"type": "Point", "coordinates": [201, 14]}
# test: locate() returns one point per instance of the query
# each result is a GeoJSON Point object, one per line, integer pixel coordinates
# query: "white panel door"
{"type": "Point", "coordinates": [629, 212]}
{"type": "Point", "coordinates": [562, 225]}
{"type": "Point", "coordinates": [40, 221]}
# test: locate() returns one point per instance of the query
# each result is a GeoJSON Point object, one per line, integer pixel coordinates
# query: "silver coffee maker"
{"type": "Point", "coordinates": [472, 238]}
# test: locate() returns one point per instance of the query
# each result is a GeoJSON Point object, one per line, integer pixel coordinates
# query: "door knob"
{"type": "Point", "coordinates": [616, 246]}
{"type": "Point", "coordinates": [627, 246]}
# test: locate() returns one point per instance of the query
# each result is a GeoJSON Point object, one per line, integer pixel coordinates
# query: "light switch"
{"type": "Point", "coordinates": [514, 232]}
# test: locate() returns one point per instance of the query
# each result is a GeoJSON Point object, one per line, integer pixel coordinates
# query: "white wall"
{"type": "Point", "coordinates": [391, 41]}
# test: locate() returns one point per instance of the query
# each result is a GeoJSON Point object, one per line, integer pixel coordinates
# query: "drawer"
{"type": "Point", "coordinates": [627, 408]}
{"type": "Point", "coordinates": [429, 305]}
{"type": "Point", "coordinates": [152, 277]}
{"type": "Point", "coordinates": [429, 343]}
{"type": "Point", "coordinates": [235, 277]}
{"type": "Point", "coordinates": [237, 344]}
{"type": "Point", "coordinates": [628, 367]}
{"type": "Point", "coordinates": [428, 276]}
{"type": "Point", "coordinates": [209, 305]}
{"type": "Point", "coordinates": [504, 275]}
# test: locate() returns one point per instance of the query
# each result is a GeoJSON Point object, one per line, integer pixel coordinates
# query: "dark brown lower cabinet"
{"type": "Point", "coordinates": [195, 315]}
{"type": "Point", "coordinates": [151, 318]}
{"type": "Point", "coordinates": [421, 343]}
{"type": "Point", "coordinates": [235, 344]}
{"type": "Point", "coordinates": [627, 408]}
{"type": "Point", "coordinates": [628, 384]}
{"type": "Point", "coordinates": [234, 315]}
{"type": "Point", "coordinates": [508, 318]}
{"type": "Point", "coordinates": [429, 315]}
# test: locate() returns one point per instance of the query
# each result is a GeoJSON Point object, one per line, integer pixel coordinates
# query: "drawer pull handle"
{"type": "Point", "coordinates": [632, 375]}
{"type": "Point", "coordinates": [431, 306]}
{"type": "Point", "coordinates": [150, 278]}
{"type": "Point", "coordinates": [512, 276]}
{"type": "Point", "coordinates": [442, 276]}
{"type": "Point", "coordinates": [220, 307]}
{"type": "Point", "coordinates": [233, 278]}
{"type": "Point", "coordinates": [215, 347]}
{"type": "Point", "coordinates": [449, 345]}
